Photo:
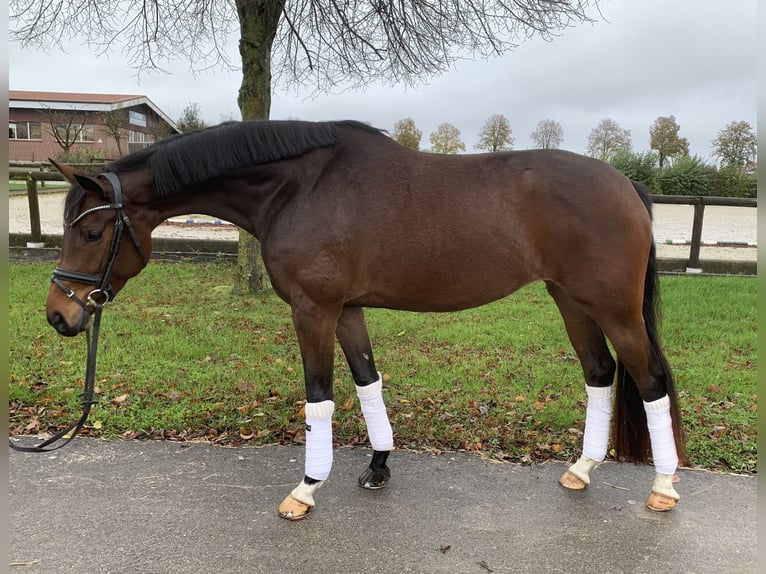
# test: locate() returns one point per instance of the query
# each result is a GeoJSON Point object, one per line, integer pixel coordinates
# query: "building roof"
{"type": "Point", "coordinates": [79, 101]}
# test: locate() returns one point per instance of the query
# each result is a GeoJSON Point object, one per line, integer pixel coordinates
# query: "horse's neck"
{"type": "Point", "coordinates": [245, 198]}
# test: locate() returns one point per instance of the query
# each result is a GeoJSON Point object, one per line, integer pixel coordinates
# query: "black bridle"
{"type": "Point", "coordinates": [103, 292]}
{"type": "Point", "coordinates": [94, 303]}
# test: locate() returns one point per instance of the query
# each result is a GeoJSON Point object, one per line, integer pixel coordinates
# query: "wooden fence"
{"type": "Point", "coordinates": [32, 176]}
{"type": "Point", "coordinates": [699, 203]}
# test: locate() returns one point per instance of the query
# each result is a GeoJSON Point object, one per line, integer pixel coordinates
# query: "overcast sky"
{"type": "Point", "coordinates": [694, 59]}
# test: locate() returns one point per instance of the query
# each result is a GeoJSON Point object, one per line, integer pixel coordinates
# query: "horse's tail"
{"type": "Point", "coordinates": [630, 435]}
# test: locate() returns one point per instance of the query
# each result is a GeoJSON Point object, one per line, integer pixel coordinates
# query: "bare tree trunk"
{"type": "Point", "coordinates": [258, 21]}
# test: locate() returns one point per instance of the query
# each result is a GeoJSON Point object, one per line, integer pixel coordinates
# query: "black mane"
{"type": "Point", "coordinates": [194, 157]}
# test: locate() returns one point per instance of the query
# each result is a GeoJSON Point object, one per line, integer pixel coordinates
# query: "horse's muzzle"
{"type": "Point", "coordinates": [64, 327]}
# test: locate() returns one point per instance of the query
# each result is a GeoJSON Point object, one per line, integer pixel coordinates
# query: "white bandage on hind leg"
{"type": "Point", "coordinates": [319, 439]}
{"type": "Point", "coordinates": [660, 426]}
{"type": "Point", "coordinates": [375, 415]}
{"type": "Point", "coordinates": [598, 419]}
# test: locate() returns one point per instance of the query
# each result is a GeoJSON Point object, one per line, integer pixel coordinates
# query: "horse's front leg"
{"type": "Point", "coordinates": [315, 328]}
{"type": "Point", "coordinates": [355, 341]}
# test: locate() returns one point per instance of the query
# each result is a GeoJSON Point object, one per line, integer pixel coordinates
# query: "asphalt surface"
{"type": "Point", "coordinates": [170, 508]}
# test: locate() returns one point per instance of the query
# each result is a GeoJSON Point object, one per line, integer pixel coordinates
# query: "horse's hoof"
{"type": "Point", "coordinates": [374, 479]}
{"type": "Point", "coordinates": [571, 481]}
{"type": "Point", "coordinates": [660, 502]}
{"type": "Point", "coordinates": [293, 509]}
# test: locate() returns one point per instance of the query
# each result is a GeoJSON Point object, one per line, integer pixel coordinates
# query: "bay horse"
{"type": "Point", "coordinates": [347, 218]}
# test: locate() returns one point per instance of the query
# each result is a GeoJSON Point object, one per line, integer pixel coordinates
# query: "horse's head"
{"type": "Point", "coordinates": [100, 250]}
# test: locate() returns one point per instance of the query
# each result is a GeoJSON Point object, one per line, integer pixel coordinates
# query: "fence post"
{"type": "Point", "coordinates": [34, 213]}
{"type": "Point", "coordinates": [694, 252]}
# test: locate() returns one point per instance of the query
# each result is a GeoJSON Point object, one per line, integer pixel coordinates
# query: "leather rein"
{"type": "Point", "coordinates": [94, 303]}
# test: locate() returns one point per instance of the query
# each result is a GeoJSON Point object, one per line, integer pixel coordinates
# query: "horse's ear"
{"type": "Point", "coordinates": [67, 171]}
{"type": "Point", "coordinates": [90, 183]}
{"type": "Point", "coordinates": [76, 176]}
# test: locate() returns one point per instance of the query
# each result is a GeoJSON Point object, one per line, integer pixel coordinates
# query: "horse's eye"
{"type": "Point", "coordinates": [92, 235]}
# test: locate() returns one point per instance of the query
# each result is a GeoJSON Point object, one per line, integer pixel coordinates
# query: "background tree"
{"type": "Point", "coordinates": [731, 181]}
{"type": "Point", "coordinates": [606, 138]}
{"type": "Point", "coordinates": [65, 126]}
{"type": "Point", "coordinates": [115, 123]}
{"type": "Point", "coordinates": [548, 134]}
{"type": "Point", "coordinates": [446, 139]}
{"type": "Point", "coordinates": [663, 137]}
{"type": "Point", "coordinates": [638, 166]}
{"type": "Point", "coordinates": [687, 176]}
{"type": "Point", "coordinates": [407, 134]}
{"type": "Point", "coordinates": [159, 130]}
{"type": "Point", "coordinates": [191, 118]}
{"type": "Point", "coordinates": [736, 145]}
{"type": "Point", "coordinates": [495, 135]}
{"type": "Point", "coordinates": [319, 43]}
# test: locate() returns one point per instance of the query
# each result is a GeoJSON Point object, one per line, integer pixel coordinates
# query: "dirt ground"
{"type": "Point", "coordinates": [672, 223]}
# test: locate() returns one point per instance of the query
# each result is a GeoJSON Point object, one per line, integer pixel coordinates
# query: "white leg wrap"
{"type": "Point", "coordinates": [661, 436]}
{"type": "Point", "coordinates": [375, 416]}
{"type": "Point", "coordinates": [305, 492]}
{"type": "Point", "coordinates": [319, 439]}
{"type": "Point", "coordinates": [663, 484]}
{"type": "Point", "coordinates": [598, 418]}
{"type": "Point", "coordinates": [581, 469]}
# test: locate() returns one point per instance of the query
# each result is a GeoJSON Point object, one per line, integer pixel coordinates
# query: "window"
{"type": "Point", "coordinates": [136, 137]}
{"type": "Point", "coordinates": [24, 131]}
{"type": "Point", "coordinates": [136, 140]}
{"type": "Point", "coordinates": [76, 132]}
{"type": "Point", "coordinates": [88, 133]}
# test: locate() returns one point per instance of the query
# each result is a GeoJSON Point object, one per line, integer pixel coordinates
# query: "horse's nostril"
{"type": "Point", "coordinates": [58, 322]}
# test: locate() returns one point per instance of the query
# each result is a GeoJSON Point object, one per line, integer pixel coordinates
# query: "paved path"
{"type": "Point", "coordinates": [168, 508]}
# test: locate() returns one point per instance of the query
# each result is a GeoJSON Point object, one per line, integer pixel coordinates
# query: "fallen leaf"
{"type": "Point", "coordinates": [34, 424]}
{"type": "Point", "coordinates": [347, 406]}
{"type": "Point", "coordinates": [119, 400]}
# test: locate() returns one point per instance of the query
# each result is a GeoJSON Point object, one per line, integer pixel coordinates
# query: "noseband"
{"type": "Point", "coordinates": [94, 303]}
{"type": "Point", "coordinates": [104, 291]}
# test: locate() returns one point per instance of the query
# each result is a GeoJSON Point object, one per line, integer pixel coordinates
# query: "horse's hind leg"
{"type": "Point", "coordinates": [647, 411]}
{"type": "Point", "coordinates": [598, 367]}
{"type": "Point", "coordinates": [355, 342]}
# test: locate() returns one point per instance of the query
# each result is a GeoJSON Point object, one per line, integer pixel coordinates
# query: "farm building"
{"type": "Point", "coordinates": [80, 127]}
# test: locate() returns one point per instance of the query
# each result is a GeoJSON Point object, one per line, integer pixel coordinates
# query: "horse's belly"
{"type": "Point", "coordinates": [446, 287]}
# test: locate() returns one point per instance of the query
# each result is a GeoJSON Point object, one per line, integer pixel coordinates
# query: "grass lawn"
{"type": "Point", "coordinates": [16, 185]}
{"type": "Point", "coordinates": [181, 358]}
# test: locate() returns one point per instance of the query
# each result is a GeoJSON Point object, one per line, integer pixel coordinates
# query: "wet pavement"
{"type": "Point", "coordinates": [130, 507]}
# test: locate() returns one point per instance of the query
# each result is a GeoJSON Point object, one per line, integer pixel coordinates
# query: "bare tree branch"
{"type": "Point", "coordinates": [318, 43]}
